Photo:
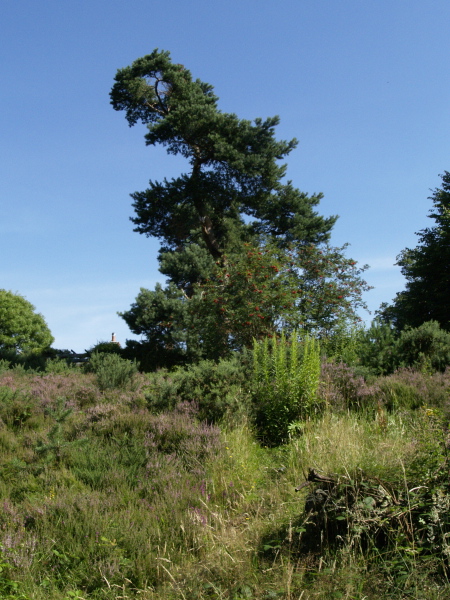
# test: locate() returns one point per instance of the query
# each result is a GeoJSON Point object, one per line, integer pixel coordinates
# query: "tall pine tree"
{"type": "Point", "coordinates": [233, 194]}
{"type": "Point", "coordinates": [427, 270]}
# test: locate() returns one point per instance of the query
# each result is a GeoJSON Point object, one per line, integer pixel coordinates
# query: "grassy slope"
{"type": "Point", "coordinates": [103, 499]}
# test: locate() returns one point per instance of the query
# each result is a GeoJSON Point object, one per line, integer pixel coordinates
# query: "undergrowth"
{"type": "Point", "coordinates": [111, 493]}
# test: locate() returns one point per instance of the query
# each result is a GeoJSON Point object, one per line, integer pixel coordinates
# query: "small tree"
{"type": "Point", "coordinates": [21, 328]}
{"type": "Point", "coordinates": [261, 290]}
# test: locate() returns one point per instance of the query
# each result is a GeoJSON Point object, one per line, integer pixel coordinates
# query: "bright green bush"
{"type": "Point", "coordinates": [21, 328]}
{"type": "Point", "coordinates": [219, 389]}
{"type": "Point", "coordinates": [111, 370]}
{"type": "Point", "coordinates": [4, 365]}
{"type": "Point", "coordinates": [286, 381]}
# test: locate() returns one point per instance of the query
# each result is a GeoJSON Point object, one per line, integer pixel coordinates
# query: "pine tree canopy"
{"type": "Point", "coordinates": [427, 270]}
{"type": "Point", "coordinates": [234, 187]}
{"type": "Point", "coordinates": [232, 204]}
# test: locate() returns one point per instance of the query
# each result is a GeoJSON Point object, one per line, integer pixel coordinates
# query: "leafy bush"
{"type": "Point", "coordinates": [285, 385]}
{"type": "Point", "coordinates": [21, 328]}
{"type": "Point", "coordinates": [427, 347]}
{"type": "Point", "coordinates": [111, 370]}
{"type": "Point", "coordinates": [111, 347]}
{"type": "Point", "coordinates": [217, 388]}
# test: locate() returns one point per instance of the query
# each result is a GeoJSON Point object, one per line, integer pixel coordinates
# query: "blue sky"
{"type": "Point", "coordinates": [364, 85]}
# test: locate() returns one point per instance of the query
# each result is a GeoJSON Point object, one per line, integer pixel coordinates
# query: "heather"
{"type": "Point", "coordinates": [169, 485]}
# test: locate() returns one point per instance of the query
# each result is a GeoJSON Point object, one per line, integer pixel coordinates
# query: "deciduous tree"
{"type": "Point", "coordinates": [21, 328]}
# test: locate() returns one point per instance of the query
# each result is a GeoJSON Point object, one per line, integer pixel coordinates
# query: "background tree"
{"type": "Point", "coordinates": [427, 271]}
{"type": "Point", "coordinates": [234, 194]}
{"type": "Point", "coordinates": [264, 289]}
{"type": "Point", "coordinates": [21, 328]}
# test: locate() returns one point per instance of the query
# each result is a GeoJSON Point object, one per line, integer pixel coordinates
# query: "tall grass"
{"type": "Point", "coordinates": [103, 499]}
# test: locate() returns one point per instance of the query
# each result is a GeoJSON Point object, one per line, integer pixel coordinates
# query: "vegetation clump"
{"type": "Point", "coordinates": [132, 490]}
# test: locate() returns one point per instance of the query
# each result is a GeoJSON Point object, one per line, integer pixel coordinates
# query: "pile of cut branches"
{"type": "Point", "coordinates": [366, 513]}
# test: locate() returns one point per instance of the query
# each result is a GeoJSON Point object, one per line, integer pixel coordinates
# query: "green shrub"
{"type": "Point", "coordinates": [285, 385]}
{"type": "Point", "coordinates": [4, 365]}
{"type": "Point", "coordinates": [378, 348]}
{"type": "Point", "coordinates": [217, 388]}
{"type": "Point", "coordinates": [57, 366]}
{"type": "Point", "coordinates": [111, 370]}
{"type": "Point", "coordinates": [111, 347]}
{"type": "Point", "coordinates": [426, 347]}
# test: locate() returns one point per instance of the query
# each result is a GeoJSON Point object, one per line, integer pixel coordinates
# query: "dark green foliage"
{"type": "Point", "coordinates": [48, 360]}
{"type": "Point", "coordinates": [377, 350]}
{"type": "Point", "coordinates": [218, 389]}
{"type": "Point", "coordinates": [111, 347]}
{"type": "Point", "coordinates": [234, 163]}
{"type": "Point", "coordinates": [234, 194]}
{"type": "Point", "coordinates": [427, 270]}
{"type": "Point", "coordinates": [111, 370]}
{"type": "Point", "coordinates": [426, 346]}
{"type": "Point", "coordinates": [162, 316]}
{"type": "Point", "coordinates": [383, 349]}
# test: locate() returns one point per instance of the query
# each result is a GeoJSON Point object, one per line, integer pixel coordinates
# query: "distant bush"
{"type": "Point", "coordinates": [384, 351]}
{"type": "Point", "coordinates": [217, 388]}
{"type": "Point", "coordinates": [378, 348]}
{"type": "Point", "coordinates": [111, 370]}
{"type": "Point", "coordinates": [29, 361]}
{"type": "Point", "coordinates": [426, 347]}
{"type": "Point", "coordinates": [111, 347]}
{"type": "Point", "coordinates": [58, 365]}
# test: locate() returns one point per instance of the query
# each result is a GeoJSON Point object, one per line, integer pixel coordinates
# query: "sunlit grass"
{"type": "Point", "coordinates": [163, 506]}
